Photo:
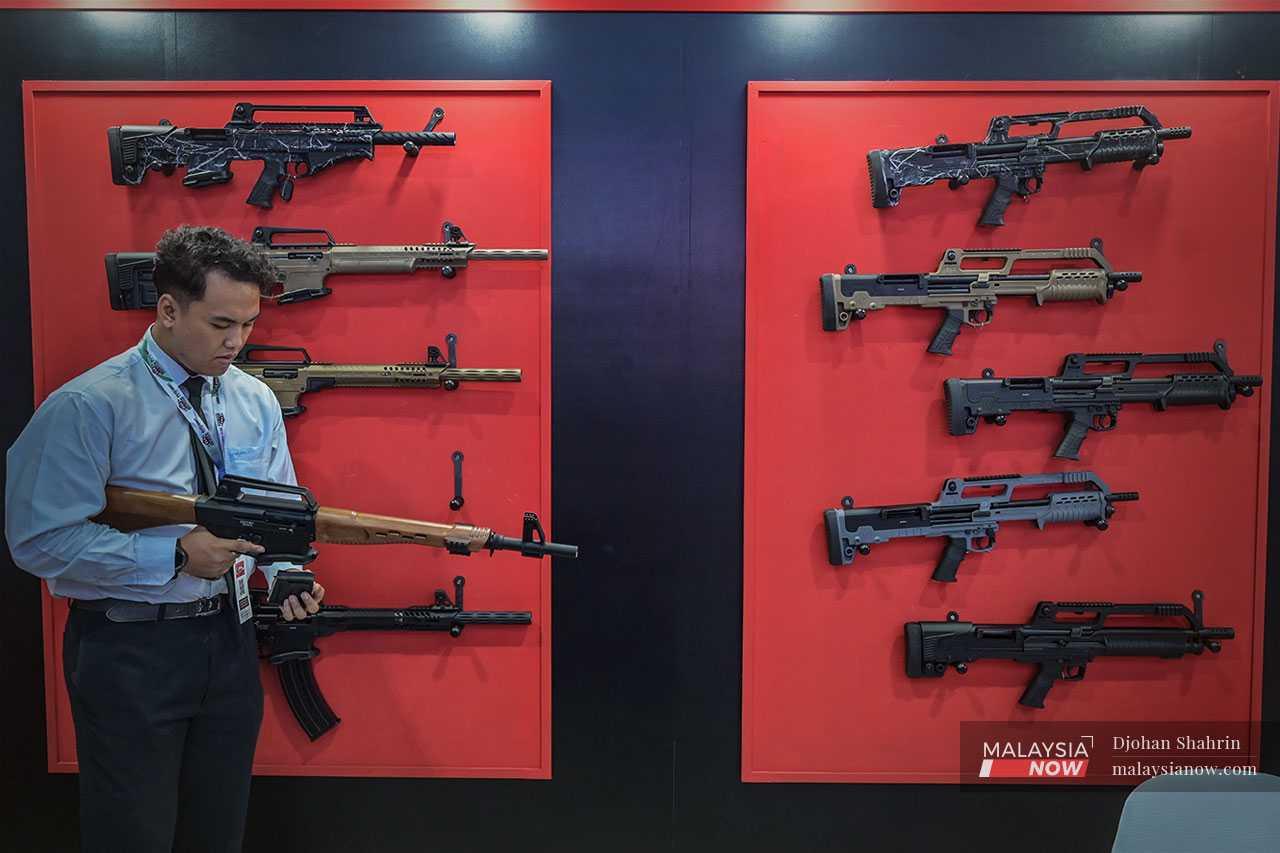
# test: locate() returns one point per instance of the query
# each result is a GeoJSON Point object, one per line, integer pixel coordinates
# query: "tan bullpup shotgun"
{"type": "Point", "coordinates": [289, 379]}
{"type": "Point", "coordinates": [968, 293]}
{"type": "Point", "coordinates": [286, 519]}
{"type": "Point", "coordinates": [303, 267]}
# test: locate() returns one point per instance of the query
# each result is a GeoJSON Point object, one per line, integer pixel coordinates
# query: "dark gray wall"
{"type": "Point", "coordinates": [649, 215]}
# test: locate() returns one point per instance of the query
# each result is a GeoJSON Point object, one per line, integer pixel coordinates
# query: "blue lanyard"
{"type": "Point", "coordinates": [184, 408]}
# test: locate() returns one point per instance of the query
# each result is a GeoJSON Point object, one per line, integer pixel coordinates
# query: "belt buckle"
{"type": "Point", "coordinates": [206, 605]}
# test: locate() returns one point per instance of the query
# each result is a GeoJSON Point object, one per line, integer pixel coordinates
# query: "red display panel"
{"type": "Point", "coordinates": [860, 412]}
{"type": "Point", "coordinates": [411, 704]}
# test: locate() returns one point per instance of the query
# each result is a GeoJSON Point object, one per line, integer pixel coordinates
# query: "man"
{"type": "Point", "coordinates": [162, 674]}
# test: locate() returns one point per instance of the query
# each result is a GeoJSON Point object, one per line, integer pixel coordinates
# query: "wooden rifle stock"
{"type": "Point", "coordinates": [134, 509]}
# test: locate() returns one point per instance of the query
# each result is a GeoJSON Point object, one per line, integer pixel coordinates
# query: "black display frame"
{"type": "Point", "coordinates": [648, 213]}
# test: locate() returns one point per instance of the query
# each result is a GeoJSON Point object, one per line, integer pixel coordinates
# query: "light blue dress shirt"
{"type": "Point", "coordinates": [114, 425]}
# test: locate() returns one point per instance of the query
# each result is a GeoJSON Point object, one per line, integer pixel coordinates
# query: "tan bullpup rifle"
{"type": "Point", "coordinates": [289, 379]}
{"type": "Point", "coordinates": [966, 294]}
{"type": "Point", "coordinates": [303, 267]}
{"type": "Point", "coordinates": [286, 519]}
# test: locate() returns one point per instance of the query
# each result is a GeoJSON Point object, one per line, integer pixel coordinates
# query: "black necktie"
{"type": "Point", "coordinates": [206, 479]}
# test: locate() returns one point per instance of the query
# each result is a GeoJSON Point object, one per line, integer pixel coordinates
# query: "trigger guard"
{"type": "Point", "coordinates": [1030, 186]}
{"type": "Point", "coordinates": [1104, 422]}
{"type": "Point", "coordinates": [971, 317]}
{"type": "Point", "coordinates": [974, 542]}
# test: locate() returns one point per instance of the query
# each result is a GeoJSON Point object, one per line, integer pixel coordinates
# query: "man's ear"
{"type": "Point", "coordinates": [167, 310]}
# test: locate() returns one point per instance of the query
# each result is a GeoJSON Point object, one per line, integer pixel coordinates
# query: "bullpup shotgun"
{"type": "Point", "coordinates": [1017, 163]}
{"type": "Point", "coordinates": [969, 512]}
{"type": "Point", "coordinates": [967, 294]}
{"type": "Point", "coordinates": [1091, 400]}
{"type": "Point", "coordinates": [1062, 648]}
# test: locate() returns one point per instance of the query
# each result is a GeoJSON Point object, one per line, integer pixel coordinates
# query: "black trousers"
{"type": "Point", "coordinates": [166, 718]}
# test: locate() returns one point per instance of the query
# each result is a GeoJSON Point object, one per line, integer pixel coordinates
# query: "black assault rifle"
{"type": "Point", "coordinates": [290, 645]}
{"type": "Point", "coordinates": [288, 150]}
{"type": "Point", "coordinates": [1062, 647]}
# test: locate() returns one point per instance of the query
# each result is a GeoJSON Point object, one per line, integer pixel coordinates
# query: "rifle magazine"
{"type": "Point", "coordinates": [298, 680]}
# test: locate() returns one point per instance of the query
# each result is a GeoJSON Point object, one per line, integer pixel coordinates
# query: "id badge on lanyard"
{"type": "Point", "coordinates": [238, 586]}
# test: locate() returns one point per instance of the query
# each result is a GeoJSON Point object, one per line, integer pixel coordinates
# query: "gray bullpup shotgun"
{"type": "Point", "coordinates": [969, 512]}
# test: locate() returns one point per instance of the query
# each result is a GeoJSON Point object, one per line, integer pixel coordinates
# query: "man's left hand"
{"type": "Point", "coordinates": [300, 607]}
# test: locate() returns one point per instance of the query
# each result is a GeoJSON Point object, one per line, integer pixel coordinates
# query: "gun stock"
{"type": "Point", "coordinates": [134, 509]}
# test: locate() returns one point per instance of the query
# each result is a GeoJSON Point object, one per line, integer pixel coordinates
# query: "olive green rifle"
{"type": "Point", "coordinates": [303, 267]}
{"type": "Point", "coordinates": [968, 294]}
{"type": "Point", "coordinates": [290, 378]}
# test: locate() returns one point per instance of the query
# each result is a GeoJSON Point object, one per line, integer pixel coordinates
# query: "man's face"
{"type": "Point", "coordinates": [209, 332]}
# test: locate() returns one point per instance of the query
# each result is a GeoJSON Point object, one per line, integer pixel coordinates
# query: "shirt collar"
{"type": "Point", "coordinates": [176, 371]}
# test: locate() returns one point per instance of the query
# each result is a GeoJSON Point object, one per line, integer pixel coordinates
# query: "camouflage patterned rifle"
{"type": "Point", "coordinates": [1090, 400]}
{"type": "Point", "coordinates": [968, 296]}
{"type": "Point", "coordinates": [1062, 647]}
{"type": "Point", "coordinates": [302, 268]}
{"type": "Point", "coordinates": [286, 519]}
{"type": "Point", "coordinates": [969, 513]}
{"type": "Point", "coordinates": [289, 379]}
{"type": "Point", "coordinates": [289, 645]}
{"type": "Point", "coordinates": [288, 150]}
{"type": "Point", "coordinates": [1017, 163]}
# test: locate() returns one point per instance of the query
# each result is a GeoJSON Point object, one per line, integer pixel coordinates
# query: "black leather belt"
{"type": "Point", "coordinates": [119, 610]}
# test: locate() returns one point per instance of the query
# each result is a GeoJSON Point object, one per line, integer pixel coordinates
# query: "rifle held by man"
{"type": "Point", "coordinates": [1063, 648]}
{"type": "Point", "coordinates": [286, 519]}
{"type": "Point", "coordinates": [1092, 400]}
{"type": "Point", "coordinates": [967, 295]}
{"type": "Point", "coordinates": [303, 267]}
{"type": "Point", "coordinates": [1017, 163]}
{"type": "Point", "coordinates": [289, 645]}
{"type": "Point", "coordinates": [289, 379]}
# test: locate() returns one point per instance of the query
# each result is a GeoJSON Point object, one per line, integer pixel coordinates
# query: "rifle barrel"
{"type": "Point", "coordinates": [509, 254]}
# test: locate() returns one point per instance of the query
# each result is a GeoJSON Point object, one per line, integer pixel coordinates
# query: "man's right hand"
{"type": "Point", "coordinates": [209, 557]}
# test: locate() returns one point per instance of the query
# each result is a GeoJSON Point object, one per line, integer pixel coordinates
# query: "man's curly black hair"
{"type": "Point", "coordinates": [187, 253]}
